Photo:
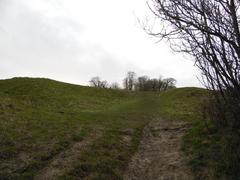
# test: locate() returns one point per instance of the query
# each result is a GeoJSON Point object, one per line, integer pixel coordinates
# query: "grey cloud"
{"type": "Point", "coordinates": [32, 43]}
{"type": "Point", "coordinates": [29, 34]}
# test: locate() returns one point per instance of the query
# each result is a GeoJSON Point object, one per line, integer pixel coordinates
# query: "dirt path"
{"type": "Point", "coordinates": [63, 161]}
{"type": "Point", "coordinates": [159, 156]}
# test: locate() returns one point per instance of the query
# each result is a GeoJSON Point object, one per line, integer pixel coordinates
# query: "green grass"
{"type": "Point", "coordinates": [39, 118]}
{"type": "Point", "coordinates": [181, 104]}
{"type": "Point", "coordinates": [213, 153]}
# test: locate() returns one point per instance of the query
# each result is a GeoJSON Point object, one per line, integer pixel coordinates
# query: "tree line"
{"type": "Point", "coordinates": [134, 83]}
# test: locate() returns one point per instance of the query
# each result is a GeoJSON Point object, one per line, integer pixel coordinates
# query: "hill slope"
{"type": "Point", "coordinates": [96, 131]}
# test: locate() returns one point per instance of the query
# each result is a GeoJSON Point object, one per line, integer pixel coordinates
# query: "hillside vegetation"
{"type": "Point", "coordinates": [42, 120]}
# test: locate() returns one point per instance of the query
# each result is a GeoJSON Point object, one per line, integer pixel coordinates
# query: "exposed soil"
{"type": "Point", "coordinates": [159, 156]}
{"type": "Point", "coordinates": [64, 161]}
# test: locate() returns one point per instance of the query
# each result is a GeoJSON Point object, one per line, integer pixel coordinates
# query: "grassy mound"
{"type": "Point", "coordinates": [40, 118]}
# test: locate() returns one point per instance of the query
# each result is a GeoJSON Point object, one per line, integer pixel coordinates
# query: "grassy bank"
{"type": "Point", "coordinates": [41, 118]}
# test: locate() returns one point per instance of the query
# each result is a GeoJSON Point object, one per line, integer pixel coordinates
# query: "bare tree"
{"type": "Point", "coordinates": [97, 82]}
{"type": "Point", "coordinates": [145, 83]}
{"type": "Point", "coordinates": [141, 84]}
{"type": "Point", "coordinates": [160, 84]}
{"type": "Point", "coordinates": [104, 84]}
{"type": "Point", "coordinates": [125, 83]}
{"type": "Point", "coordinates": [169, 83]}
{"type": "Point", "coordinates": [129, 81]}
{"type": "Point", "coordinates": [115, 85]}
{"type": "Point", "coordinates": [209, 31]}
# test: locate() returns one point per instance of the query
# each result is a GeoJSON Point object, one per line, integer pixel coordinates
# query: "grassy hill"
{"type": "Point", "coordinates": [41, 118]}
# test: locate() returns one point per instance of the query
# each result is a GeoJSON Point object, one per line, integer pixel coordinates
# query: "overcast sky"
{"type": "Point", "coordinates": [74, 40]}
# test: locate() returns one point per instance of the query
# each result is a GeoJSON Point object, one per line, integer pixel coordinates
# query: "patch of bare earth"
{"type": "Point", "coordinates": [159, 156]}
{"type": "Point", "coordinates": [63, 162]}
